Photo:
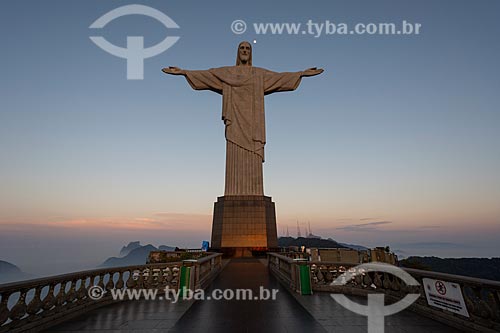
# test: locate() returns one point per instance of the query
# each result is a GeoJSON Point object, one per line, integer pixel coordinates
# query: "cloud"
{"type": "Point", "coordinates": [156, 221]}
{"type": "Point", "coordinates": [432, 245]}
{"type": "Point", "coordinates": [110, 223]}
{"type": "Point", "coordinates": [368, 218]}
{"type": "Point", "coordinates": [144, 219]}
{"type": "Point", "coordinates": [184, 220]}
{"type": "Point", "coordinates": [371, 226]}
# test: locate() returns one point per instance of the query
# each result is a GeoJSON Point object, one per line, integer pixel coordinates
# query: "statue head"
{"type": "Point", "coordinates": [244, 56]}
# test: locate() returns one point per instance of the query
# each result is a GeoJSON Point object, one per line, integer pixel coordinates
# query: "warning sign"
{"type": "Point", "coordinates": [445, 295]}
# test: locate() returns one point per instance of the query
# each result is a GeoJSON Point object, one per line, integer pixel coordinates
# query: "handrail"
{"type": "Point", "coordinates": [455, 278]}
{"type": "Point", "coordinates": [43, 302]}
{"type": "Point", "coordinates": [67, 276]}
{"type": "Point", "coordinates": [482, 297]}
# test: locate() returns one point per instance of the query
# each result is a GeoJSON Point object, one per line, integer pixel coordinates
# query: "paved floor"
{"type": "Point", "coordinates": [335, 318]}
{"type": "Point", "coordinates": [288, 313]}
{"type": "Point", "coordinates": [284, 314]}
{"type": "Point", "coordinates": [131, 316]}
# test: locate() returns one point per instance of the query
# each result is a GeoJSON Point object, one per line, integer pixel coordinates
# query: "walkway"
{"type": "Point", "coordinates": [285, 314]}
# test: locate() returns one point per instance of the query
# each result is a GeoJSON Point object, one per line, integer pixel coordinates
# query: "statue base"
{"type": "Point", "coordinates": [244, 225]}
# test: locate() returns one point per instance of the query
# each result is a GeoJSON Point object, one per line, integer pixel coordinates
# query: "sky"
{"type": "Point", "coordinates": [396, 143]}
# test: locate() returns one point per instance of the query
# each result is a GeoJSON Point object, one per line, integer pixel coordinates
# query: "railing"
{"type": "Point", "coordinates": [40, 303]}
{"type": "Point", "coordinates": [206, 270]}
{"type": "Point", "coordinates": [482, 297]}
{"type": "Point", "coordinates": [160, 256]}
{"type": "Point", "coordinates": [294, 255]}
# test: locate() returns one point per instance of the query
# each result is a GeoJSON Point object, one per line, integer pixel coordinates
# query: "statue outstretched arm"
{"type": "Point", "coordinates": [198, 80]}
{"type": "Point", "coordinates": [173, 71]}
{"type": "Point", "coordinates": [312, 71]}
{"type": "Point", "coordinates": [286, 81]}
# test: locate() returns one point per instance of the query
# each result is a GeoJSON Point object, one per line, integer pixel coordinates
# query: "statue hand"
{"type": "Point", "coordinates": [312, 71]}
{"type": "Point", "coordinates": [173, 70]}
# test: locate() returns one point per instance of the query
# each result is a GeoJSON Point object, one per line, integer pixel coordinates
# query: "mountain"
{"type": "Point", "coordinates": [131, 246]}
{"type": "Point", "coordinates": [137, 256]}
{"type": "Point", "coordinates": [355, 247]}
{"type": "Point", "coordinates": [166, 248]}
{"type": "Point", "coordinates": [134, 254]}
{"type": "Point", "coordinates": [308, 242]}
{"type": "Point", "coordinates": [401, 254]}
{"type": "Point", "coordinates": [483, 268]}
{"type": "Point", "coordinates": [11, 273]}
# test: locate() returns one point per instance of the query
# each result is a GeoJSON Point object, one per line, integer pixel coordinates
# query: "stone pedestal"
{"type": "Point", "coordinates": [244, 224]}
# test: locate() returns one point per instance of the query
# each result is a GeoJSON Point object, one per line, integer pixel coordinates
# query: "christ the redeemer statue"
{"type": "Point", "coordinates": [243, 88]}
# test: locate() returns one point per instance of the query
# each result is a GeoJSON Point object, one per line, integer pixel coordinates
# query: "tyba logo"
{"type": "Point", "coordinates": [135, 53]}
{"type": "Point", "coordinates": [376, 311]}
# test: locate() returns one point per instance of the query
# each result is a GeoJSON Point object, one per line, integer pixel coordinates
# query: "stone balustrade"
{"type": "Point", "coordinates": [205, 268]}
{"type": "Point", "coordinates": [40, 303]}
{"type": "Point", "coordinates": [482, 297]}
{"type": "Point", "coordinates": [294, 255]}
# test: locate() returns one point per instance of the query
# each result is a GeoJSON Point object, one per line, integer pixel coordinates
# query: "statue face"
{"type": "Point", "coordinates": [244, 52]}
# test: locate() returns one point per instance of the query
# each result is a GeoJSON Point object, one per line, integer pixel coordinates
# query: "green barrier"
{"type": "Point", "coordinates": [305, 280]}
{"type": "Point", "coordinates": [304, 276]}
{"type": "Point", "coordinates": [184, 280]}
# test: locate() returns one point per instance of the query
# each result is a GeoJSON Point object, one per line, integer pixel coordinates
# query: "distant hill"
{"type": "Point", "coordinates": [401, 254]}
{"type": "Point", "coordinates": [136, 254]}
{"type": "Point", "coordinates": [355, 247]}
{"type": "Point", "coordinates": [131, 246]}
{"type": "Point", "coordinates": [11, 273]}
{"type": "Point", "coordinates": [483, 268]}
{"type": "Point", "coordinates": [166, 248]}
{"type": "Point", "coordinates": [308, 242]}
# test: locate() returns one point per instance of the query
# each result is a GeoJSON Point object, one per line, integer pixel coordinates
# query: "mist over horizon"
{"type": "Point", "coordinates": [44, 250]}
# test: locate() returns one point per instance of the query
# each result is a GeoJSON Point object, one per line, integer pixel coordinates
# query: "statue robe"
{"type": "Point", "coordinates": [243, 89]}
